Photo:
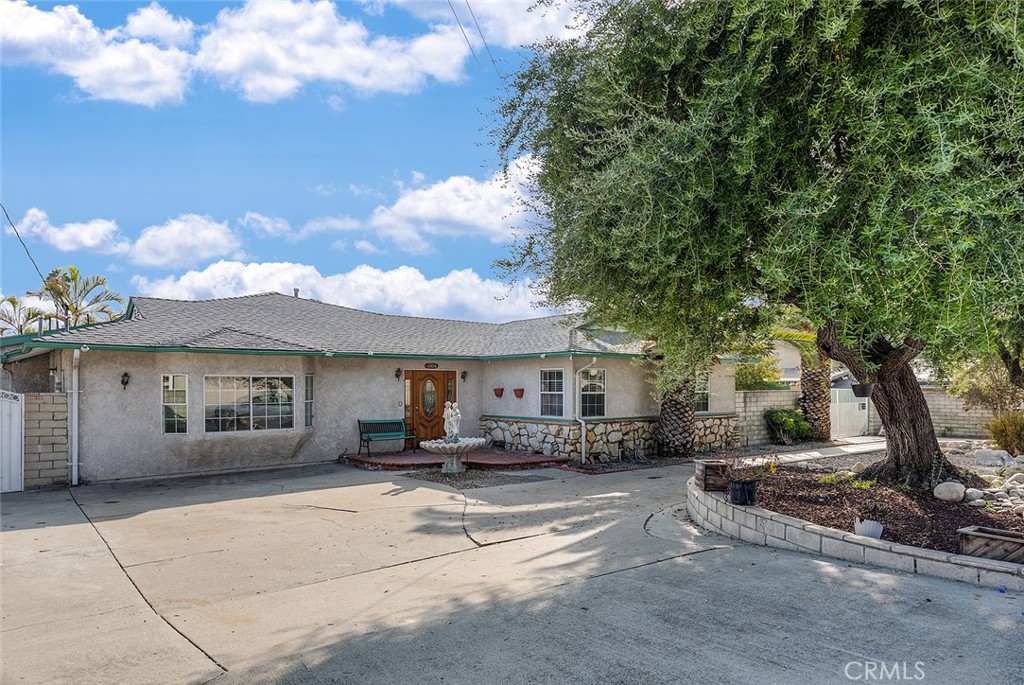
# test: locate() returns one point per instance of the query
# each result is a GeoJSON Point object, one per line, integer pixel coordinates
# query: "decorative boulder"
{"type": "Point", "coordinates": [986, 457]}
{"type": "Point", "coordinates": [971, 494]}
{"type": "Point", "coordinates": [950, 491]}
{"type": "Point", "coordinates": [858, 467]}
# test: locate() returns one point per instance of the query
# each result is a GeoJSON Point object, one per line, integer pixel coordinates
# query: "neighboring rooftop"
{"type": "Point", "coordinates": [272, 322]}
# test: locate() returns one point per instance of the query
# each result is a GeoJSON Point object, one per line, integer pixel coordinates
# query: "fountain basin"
{"type": "Point", "coordinates": [453, 451]}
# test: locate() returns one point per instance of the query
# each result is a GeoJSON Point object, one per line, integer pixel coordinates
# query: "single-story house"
{"type": "Point", "coordinates": [183, 387]}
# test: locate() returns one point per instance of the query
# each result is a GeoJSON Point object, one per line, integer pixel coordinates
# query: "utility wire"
{"type": "Point", "coordinates": [41, 276]}
{"type": "Point", "coordinates": [484, 40]}
{"type": "Point", "coordinates": [463, 28]}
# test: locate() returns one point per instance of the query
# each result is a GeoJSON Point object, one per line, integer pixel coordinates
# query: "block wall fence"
{"type": "Point", "coordinates": [46, 440]}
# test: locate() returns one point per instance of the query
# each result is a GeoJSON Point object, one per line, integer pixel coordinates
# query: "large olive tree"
{"type": "Point", "coordinates": [862, 161]}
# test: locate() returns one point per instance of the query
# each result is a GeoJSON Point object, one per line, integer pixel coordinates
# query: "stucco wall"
{"type": "Point", "coordinates": [722, 389]}
{"type": "Point", "coordinates": [122, 430]}
{"type": "Point", "coordinates": [28, 375]}
{"type": "Point", "coordinates": [628, 394]}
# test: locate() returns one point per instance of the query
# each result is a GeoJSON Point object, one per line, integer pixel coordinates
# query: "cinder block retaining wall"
{"type": "Point", "coordinates": [46, 440]}
{"type": "Point", "coordinates": [948, 416]}
{"type": "Point", "coordinates": [750, 407]}
{"type": "Point", "coordinates": [713, 512]}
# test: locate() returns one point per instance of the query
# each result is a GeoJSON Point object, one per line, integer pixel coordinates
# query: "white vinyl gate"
{"type": "Point", "coordinates": [12, 442]}
{"type": "Point", "coordinates": [849, 413]}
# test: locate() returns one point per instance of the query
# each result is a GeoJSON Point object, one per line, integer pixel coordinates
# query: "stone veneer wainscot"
{"type": "Point", "coordinates": [604, 436]}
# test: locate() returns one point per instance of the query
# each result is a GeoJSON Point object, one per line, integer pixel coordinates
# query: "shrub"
{"type": "Point", "coordinates": [787, 426]}
{"type": "Point", "coordinates": [1007, 430]}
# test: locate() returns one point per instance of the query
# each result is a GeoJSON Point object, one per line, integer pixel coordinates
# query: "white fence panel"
{"type": "Point", "coordinates": [849, 414]}
{"type": "Point", "coordinates": [12, 442]}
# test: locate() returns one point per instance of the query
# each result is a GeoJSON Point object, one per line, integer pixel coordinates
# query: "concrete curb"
{"type": "Point", "coordinates": [713, 512]}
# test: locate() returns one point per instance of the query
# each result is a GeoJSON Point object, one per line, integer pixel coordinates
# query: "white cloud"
{"type": "Point", "coordinates": [367, 247]}
{"type": "Point", "coordinates": [336, 102]}
{"type": "Point", "coordinates": [326, 224]}
{"type": "Point", "coordinates": [364, 191]}
{"type": "Point", "coordinates": [269, 50]}
{"type": "Point", "coordinates": [156, 22]}
{"type": "Point", "coordinates": [103, 64]}
{"type": "Point", "coordinates": [507, 24]}
{"type": "Point", "coordinates": [98, 235]}
{"type": "Point", "coordinates": [457, 206]}
{"type": "Point", "coordinates": [186, 241]}
{"type": "Point", "coordinates": [267, 226]}
{"type": "Point", "coordinates": [461, 294]}
{"type": "Point", "coordinates": [323, 189]}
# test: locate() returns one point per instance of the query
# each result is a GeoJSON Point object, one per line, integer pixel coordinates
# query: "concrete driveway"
{"type": "Point", "coordinates": [328, 574]}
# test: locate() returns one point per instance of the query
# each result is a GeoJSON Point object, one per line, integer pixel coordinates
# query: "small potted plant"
{"type": "Point", "coordinates": [743, 475]}
{"type": "Point", "coordinates": [869, 520]}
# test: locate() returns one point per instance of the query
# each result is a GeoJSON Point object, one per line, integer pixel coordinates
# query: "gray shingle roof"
{"type": "Point", "coordinates": [272, 322]}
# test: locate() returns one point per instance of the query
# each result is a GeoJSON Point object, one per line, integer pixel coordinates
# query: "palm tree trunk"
{"type": "Point", "coordinates": [816, 396]}
{"type": "Point", "coordinates": [676, 430]}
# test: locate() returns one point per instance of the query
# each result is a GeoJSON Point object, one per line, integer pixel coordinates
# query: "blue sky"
{"type": "Point", "coordinates": [211, 149]}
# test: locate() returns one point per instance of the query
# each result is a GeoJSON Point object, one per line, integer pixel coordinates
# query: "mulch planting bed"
{"type": "Point", "coordinates": [910, 518]}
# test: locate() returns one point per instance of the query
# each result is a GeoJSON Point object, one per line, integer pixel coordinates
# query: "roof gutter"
{"type": "Point", "coordinates": [313, 353]}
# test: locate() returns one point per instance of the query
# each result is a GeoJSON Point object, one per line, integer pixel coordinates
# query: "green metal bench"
{"type": "Point", "coordinates": [372, 430]}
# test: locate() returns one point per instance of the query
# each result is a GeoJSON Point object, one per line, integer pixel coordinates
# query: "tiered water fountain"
{"type": "Point", "coordinates": [452, 447]}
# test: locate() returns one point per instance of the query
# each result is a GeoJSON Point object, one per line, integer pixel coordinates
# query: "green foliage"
{"type": "Point", "coordinates": [1007, 430]}
{"type": "Point", "coordinates": [760, 375]}
{"type": "Point", "coordinates": [787, 426]}
{"type": "Point", "coordinates": [79, 299]}
{"type": "Point", "coordinates": [830, 479]}
{"type": "Point", "coordinates": [984, 382]}
{"type": "Point", "coordinates": [862, 161]}
{"type": "Point", "coordinates": [16, 316]}
{"type": "Point", "coordinates": [863, 484]}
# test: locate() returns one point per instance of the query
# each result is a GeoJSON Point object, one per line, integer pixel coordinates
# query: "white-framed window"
{"type": "Point", "coordinates": [592, 393]}
{"type": "Point", "coordinates": [701, 394]}
{"type": "Point", "coordinates": [239, 403]}
{"type": "Point", "coordinates": [552, 392]}
{"type": "Point", "coordinates": [174, 397]}
{"type": "Point", "coordinates": [309, 400]}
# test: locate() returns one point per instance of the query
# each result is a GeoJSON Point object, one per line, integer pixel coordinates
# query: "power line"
{"type": "Point", "coordinates": [41, 276]}
{"type": "Point", "coordinates": [484, 40]}
{"type": "Point", "coordinates": [463, 28]}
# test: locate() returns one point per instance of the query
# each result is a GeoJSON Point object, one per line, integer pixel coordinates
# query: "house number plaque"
{"type": "Point", "coordinates": [430, 365]}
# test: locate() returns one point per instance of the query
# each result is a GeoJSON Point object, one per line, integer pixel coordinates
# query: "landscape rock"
{"type": "Point", "coordinates": [951, 491]}
{"type": "Point", "coordinates": [976, 503]}
{"type": "Point", "coordinates": [858, 467]}
{"type": "Point", "coordinates": [972, 494]}
{"type": "Point", "coordinates": [987, 457]}
{"type": "Point", "coordinates": [1016, 478]}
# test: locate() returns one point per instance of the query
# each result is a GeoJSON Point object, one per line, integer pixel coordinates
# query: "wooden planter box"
{"type": "Point", "coordinates": [711, 475]}
{"type": "Point", "coordinates": [992, 543]}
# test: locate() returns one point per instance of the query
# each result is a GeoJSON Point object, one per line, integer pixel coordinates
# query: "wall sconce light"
{"type": "Point", "coordinates": [124, 380]}
{"type": "Point", "coordinates": [398, 374]}
{"type": "Point", "coordinates": [464, 375]}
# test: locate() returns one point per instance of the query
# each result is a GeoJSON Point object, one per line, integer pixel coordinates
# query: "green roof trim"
{"type": "Point", "coordinates": [315, 353]}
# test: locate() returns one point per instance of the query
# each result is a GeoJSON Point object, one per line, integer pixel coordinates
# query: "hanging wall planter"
{"type": "Point", "coordinates": [518, 392]}
{"type": "Point", "coordinates": [862, 389]}
{"type": "Point", "coordinates": [498, 392]}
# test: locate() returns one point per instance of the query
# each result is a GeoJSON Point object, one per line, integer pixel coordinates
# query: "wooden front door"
{"type": "Point", "coordinates": [425, 395]}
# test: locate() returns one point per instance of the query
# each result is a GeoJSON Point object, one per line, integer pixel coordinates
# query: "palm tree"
{"type": "Point", "coordinates": [815, 373]}
{"type": "Point", "coordinates": [75, 296]}
{"type": "Point", "coordinates": [16, 316]}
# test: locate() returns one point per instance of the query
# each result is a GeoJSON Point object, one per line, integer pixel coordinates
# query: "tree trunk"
{"type": "Point", "coordinates": [674, 436]}
{"type": "Point", "coordinates": [912, 457]}
{"type": "Point", "coordinates": [816, 396]}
